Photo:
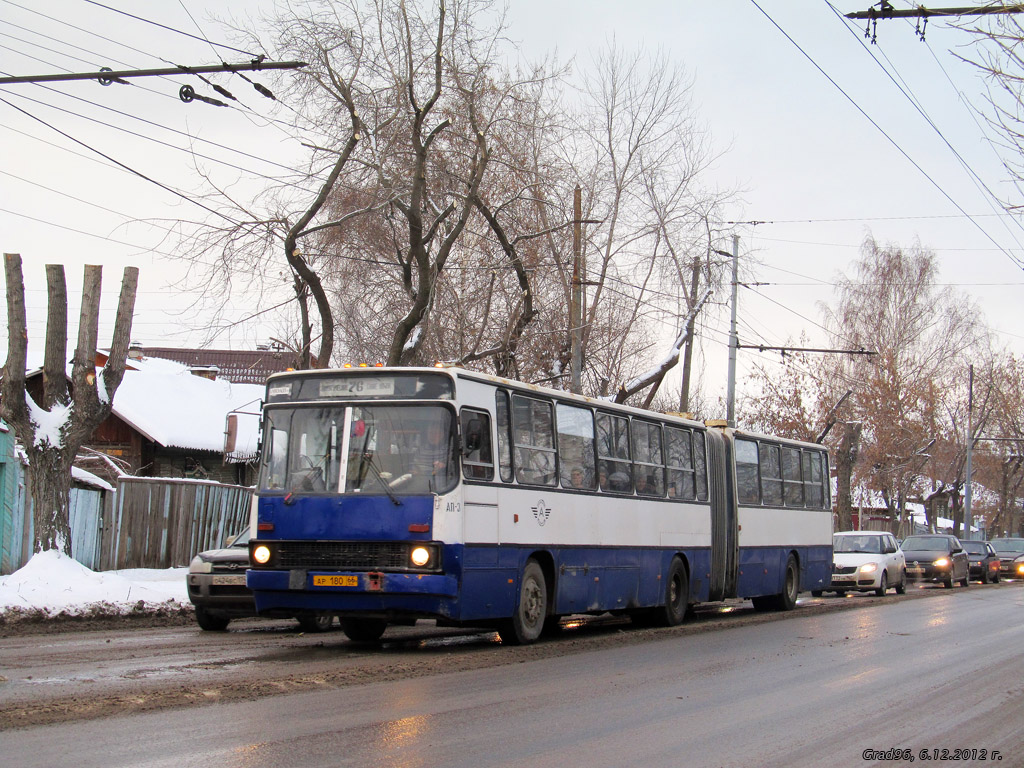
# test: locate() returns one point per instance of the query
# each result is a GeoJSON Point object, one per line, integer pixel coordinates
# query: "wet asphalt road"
{"type": "Point", "coordinates": [939, 669]}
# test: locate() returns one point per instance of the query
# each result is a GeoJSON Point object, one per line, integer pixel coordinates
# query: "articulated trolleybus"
{"type": "Point", "coordinates": [391, 494]}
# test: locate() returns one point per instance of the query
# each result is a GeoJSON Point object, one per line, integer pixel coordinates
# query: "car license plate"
{"type": "Point", "coordinates": [335, 581]}
{"type": "Point", "coordinates": [236, 579]}
{"type": "Point", "coordinates": [915, 570]}
{"type": "Point", "coordinates": [842, 577]}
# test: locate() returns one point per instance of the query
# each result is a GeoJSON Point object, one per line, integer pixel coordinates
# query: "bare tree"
{"type": "Point", "coordinates": [902, 395]}
{"type": "Point", "coordinates": [53, 429]}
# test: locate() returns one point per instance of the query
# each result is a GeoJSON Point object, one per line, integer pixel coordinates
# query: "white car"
{"type": "Point", "coordinates": [867, 561]}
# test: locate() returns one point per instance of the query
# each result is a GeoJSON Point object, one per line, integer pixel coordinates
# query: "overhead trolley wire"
{"type": "Point", "coordinates": [1017, 261]}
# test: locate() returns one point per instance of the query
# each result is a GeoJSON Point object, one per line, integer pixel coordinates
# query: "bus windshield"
{"type": "Point", "coordinates": [389, 449]}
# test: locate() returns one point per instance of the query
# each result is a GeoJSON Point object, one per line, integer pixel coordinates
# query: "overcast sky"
{"type": "Point", "coordinates": [794, 97]}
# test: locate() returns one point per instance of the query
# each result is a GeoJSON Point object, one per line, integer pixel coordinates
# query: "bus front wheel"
{"type": "Point", "coordinates": [527, 622]}
{"type": "Point", "coordinates": [363, 630]}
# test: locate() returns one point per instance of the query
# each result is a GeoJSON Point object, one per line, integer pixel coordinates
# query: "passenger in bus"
{"type": "Point", "coordinates": [576, 478]}
{"type": "Point", "coordinates": [602, 477]}
{"type": "Point", "coordinates": [619, 482]}
{"type": "Point", "coordinates": [642, 486]}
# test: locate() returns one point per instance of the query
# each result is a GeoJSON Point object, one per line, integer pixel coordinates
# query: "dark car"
{"type": "Point", "coordinates": [1011, 557]}
{"type": "Point", "coordinates": [936, 557]}
{"type": "Point", "coordinates": [983, 559]}
{"type": "Point", "coordinates": [216, 587]}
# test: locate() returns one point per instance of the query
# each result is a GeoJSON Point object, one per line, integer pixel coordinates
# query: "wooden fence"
{"type": "Point", "coordinates": [163, 523]}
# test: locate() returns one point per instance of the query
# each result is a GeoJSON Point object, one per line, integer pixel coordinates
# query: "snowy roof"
{"type": "Point", "coordinates": [177, 409]}
{"type": "Point", "coordinates": [88, 478]}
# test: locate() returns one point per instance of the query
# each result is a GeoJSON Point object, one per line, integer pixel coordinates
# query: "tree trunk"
{"type": "Point", "coordinates": [845, 455]}
{"type": "Point", "coordinates": [53, 433]}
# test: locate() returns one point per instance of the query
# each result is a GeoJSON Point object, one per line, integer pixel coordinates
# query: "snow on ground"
{"type": "Point", "coordinates": [53, 583]}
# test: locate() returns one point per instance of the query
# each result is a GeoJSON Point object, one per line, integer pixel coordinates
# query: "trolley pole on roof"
{"type": "Point", "coordinates": [734, 341]}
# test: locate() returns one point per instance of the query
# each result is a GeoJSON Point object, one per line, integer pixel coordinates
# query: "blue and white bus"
{"type": "Point", "coordinates": [391, 494]}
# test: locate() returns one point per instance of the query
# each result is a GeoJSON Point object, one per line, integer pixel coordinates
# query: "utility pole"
{"type": "Point", "coordinates": [734, 341]}
{"type": "Point", "coordinates": [576, 296]}
{"type": "Point", "coordinates": [970, 442]}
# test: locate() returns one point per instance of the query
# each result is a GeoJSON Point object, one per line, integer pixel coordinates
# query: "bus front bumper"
{"type": "Point", "coordinates": [278, 591]}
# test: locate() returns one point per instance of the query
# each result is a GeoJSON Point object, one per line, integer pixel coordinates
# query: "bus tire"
{"type": "Point", "coordinates": [363, 630]}
{"type": "Point", "coordinates": [677, 595]}
{"type": "Point", "coordinates": [786, 600]}
{"type": "Point", "coordinates": [527, 623]}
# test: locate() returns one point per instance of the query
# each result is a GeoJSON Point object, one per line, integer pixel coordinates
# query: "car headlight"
{"type": "Point", "coordinates": [942, 562]}
{"type": "Point", "coordinates": [198, 565]}
{"type": "Point", "coordinates": [868, 568]}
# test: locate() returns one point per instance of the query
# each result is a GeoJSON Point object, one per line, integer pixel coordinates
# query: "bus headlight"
{"type": "Point", "coordinates": [261, 554]}
{"type": "Point", "coordinates": [419, 556]}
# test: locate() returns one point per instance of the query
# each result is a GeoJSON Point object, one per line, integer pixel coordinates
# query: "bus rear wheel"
{"type": "Point", "coordinates": [786, 599]}
{"type": "Point", "coordinates": [527, 623]}
{"type": "Point", "coordinates": [677, 595]}
{"type": "Point", "coordinates": [363, 630]}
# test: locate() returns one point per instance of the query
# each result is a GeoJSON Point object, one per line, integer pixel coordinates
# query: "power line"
{"type": "Point", "coordinates": [170, 29]}
{"type": "Point", "coordinates": [1018, 262]}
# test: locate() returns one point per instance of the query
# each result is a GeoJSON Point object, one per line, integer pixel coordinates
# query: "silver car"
{"type": "Point", "coordinates": [216, 587]}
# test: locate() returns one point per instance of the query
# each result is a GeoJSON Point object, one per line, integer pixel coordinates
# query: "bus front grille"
{"type": "Point", "coordinates": [343, 555]}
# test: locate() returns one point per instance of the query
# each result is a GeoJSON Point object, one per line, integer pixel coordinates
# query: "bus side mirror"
{"type": "Point", "coordinates": [474, 436]}
{"type": "Point", "coordinates": [231, 433]}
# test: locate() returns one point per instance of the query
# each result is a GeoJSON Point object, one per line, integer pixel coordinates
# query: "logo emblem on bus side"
{"type": "Point", "coordinates": [541, 512]}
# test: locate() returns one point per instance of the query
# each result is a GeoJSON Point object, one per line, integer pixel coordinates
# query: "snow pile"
{"type": "Point", "coordinates": [52, 584]}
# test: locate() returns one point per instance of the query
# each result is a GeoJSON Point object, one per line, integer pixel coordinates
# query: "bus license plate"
{"type": "Point", "coordinates": [335, 581]}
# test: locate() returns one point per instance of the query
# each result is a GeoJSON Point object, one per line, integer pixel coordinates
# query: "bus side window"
{"type": "Point", "coordinates": [700, 466]}
{"type": "Point", "coordinates": [813, 484]}
{"type": "Point", "coordinates": [534, 432]}
{"type": "Point", "coordinates": [576, 447]}
{"type": "Point", "coordinates": [504, 424]}
{"type": "Point", "coordinates": [648, 464]}
{"type": "Point", "coordinates": [613, 467]}
{"type": "Point", "coordinates": [747, 489]}
{"type": "Point", "coordinates": [792, 486]}
{"type": "Point", "coordinates": [477, 459]}
{"type": "Point", "coordinates": [771, 475]}
{"type": "Point", "coordinates": [680, 464]}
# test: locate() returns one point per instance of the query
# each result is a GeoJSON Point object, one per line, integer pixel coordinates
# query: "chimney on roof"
{"type": "Point", "coordinates": [135, 351]}
{"type": "Point", "coordinates": [205, 371]}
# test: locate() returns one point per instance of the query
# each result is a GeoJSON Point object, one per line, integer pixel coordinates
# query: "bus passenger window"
{"type": "Point", "coordinates": [648, 469]}
{"type": "Point", "coordinates": [771, 475]}
{"type": "Point", "coordinates": [576, 447]}
{"type": "Point", "coordinates": [792, 486]}
{"type": "Point", "coordinates": [533, 425]}
{"type": "Point", "coordinates": [613, 454]}
{"type": "Point", "coordinates": [679, 461]}
{"type": "Point", "coordinates": [747, 488]}
{"type": "Point", "coordinates": [813, 483]}
{"type": "Point", "coordinates": [477, 461]}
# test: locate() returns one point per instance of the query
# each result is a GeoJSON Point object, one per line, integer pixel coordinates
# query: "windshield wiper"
{"type": "Point", "coordinates": [383, 483]}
